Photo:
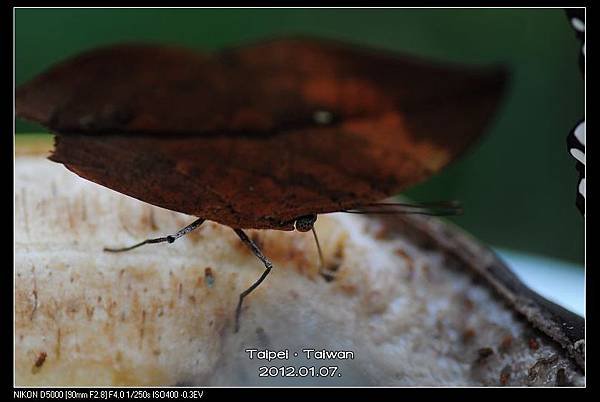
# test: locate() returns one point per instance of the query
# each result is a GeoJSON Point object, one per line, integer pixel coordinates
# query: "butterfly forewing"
{"type": "Point", "coordinates": [256, 136]}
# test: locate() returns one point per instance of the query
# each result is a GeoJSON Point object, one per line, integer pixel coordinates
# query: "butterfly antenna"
{"type": "Point", "coordinates": [444, 208]}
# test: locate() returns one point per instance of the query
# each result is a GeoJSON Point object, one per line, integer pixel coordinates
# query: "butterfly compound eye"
{"type": "Point", "coordinates": [305, 223]}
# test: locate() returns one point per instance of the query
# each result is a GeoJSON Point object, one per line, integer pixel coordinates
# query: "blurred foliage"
{"type": "Point", "coordinates": [517, 185]}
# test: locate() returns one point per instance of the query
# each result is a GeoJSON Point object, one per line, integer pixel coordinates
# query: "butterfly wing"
{"type": "Point", "coordinates": [255, 136]}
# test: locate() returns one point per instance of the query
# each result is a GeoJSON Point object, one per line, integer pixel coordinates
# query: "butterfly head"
{"type": "Point", "coordinates": [305, 223]}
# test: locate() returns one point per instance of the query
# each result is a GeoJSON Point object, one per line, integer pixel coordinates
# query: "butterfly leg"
{"type": "Point", "coordinates": [268, 266]}
{"type": "Point", "coordinates": [169, 239]}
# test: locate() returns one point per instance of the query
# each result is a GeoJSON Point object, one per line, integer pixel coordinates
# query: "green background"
{"type": "Point", "coordinates": [517, 185]}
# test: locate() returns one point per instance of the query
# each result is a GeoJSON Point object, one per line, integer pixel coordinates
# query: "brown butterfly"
{"type": "Point", "coordinates": [265, 136]}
